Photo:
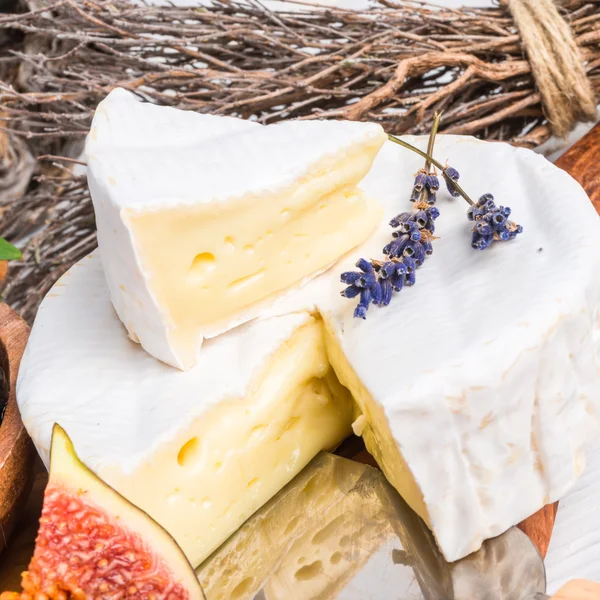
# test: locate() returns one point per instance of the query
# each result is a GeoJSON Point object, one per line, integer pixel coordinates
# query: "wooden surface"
{"type": "Point", "coordinates": [16, 559]}
{"type": "Point", "coordinates": [539, 527]}
{"type": "Point", "coordinates": [578, 590]}
{"type": "Point", "coordinates": [16, 450]}
{"type": "Point", "coordinates": [582, 162]}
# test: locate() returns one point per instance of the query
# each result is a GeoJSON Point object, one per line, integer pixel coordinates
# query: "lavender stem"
{"type": "Point", "coordinates": [431, 160]}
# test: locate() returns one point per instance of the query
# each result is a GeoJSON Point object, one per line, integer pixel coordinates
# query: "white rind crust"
{"type": "Point", "coordinates": [143, 157]}
{"type": "Point", "coordinates": [487, 370]}
{"type": "Point", "coordinates": [161, 157]}
{"type": "Point", "coordinates": [123, 126]}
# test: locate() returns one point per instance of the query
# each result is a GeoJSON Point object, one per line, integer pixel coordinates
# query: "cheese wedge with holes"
{"type": "Point", "coordinates": [199, 451]}
{"type": "Point", "coordinates": [475, 390]}
{"type": "Point", "coordinates": [204, 220]}
{"type": "Point", "coordinates": [308, 541]}
{"type": "Point", "coordinates": [321, 562]}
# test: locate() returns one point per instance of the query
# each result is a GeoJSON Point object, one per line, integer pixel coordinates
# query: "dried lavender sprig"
{"type": "Point", "coordinates": [376, 281]}
{"type": "Point", "coordinates": [483, 233]}
{"type": "Point", "coordinates": [426, 183]}
{"type": "Point", "coordinates": [491, 223]}
{"type": "Point", "coordinates": [451, 176]}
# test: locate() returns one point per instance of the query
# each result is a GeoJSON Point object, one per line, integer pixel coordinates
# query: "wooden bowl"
{"type": "Point", "coordinates": [17, 453]}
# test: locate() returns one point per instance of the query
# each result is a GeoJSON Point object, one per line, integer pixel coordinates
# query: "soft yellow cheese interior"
{"type": "Point", "coordinates": [228, 462]}
{"type": "Point", "coordinates": [339, 542]}
{"type": "Point", "coordinates": [240, 567]}
{"type": "Point", "coordinates": [375, 430]}
{"type": "Point", "coordinates": [307, 542]}
{"type": "Point", "coordinates": [207, 263]}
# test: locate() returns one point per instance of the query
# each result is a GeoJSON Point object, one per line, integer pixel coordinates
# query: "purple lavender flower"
{"type": "Point", "coordinates": [432, 186]}
{"type": "Point", "coordinates": [401, 218]}
{"type": "Point", "coordinates": [375, 281]}
{"type": "Point", "coordinates": [451, 176]}
{"type": "Point", "coordinates": [421, 179]}
{"type": "Point", "coordinates": [425, 187]}
{"type": "Point", "coordinates": [358, 281]}
{"type": "Point", "coordinates": [388, 277]}
{"type": "Point", "coordinates": [394, 272]}
{"type": "Point", "coordinates": [491, 223]}
{"type": "Point", "coordinates": [413, 235]}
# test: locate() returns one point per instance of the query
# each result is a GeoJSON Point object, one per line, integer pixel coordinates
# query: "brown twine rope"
{"type": "Point", "coordinates": [556, 63]}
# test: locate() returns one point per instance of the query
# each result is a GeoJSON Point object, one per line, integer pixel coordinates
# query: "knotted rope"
{"type": "Point", "coordinates": [556, 63]}
{"type": "Point", "coordinates": [554, 60]}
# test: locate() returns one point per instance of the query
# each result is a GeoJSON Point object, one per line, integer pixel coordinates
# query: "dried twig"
{"type": "Point", "coordinates": [396, 63]}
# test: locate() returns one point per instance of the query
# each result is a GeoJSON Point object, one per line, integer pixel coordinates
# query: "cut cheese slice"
{"type": "Point", "coordinates": [199, 451]}
{"type": "Point", "coordinates": [339, 542]}
{"type": "Point", "coordinates": [203, 221]}
{"type": "Point", "coordinates": [338, 530]}
{"type": "Point", "coordinates": [310, 540]}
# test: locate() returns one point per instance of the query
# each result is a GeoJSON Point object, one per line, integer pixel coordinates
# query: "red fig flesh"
{"type": "Point", "coordinates": [93, 543]}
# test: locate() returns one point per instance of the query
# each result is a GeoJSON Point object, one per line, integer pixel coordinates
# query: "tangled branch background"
{"type": "Point", "coordinates": [396, 64]}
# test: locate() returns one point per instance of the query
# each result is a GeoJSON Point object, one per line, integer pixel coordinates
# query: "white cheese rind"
{"type": "Point", "coordinates": [487, 370]}
{"type": "Point", "coordinates": [153, 171]}
{"type": "Point", "coordinates": [205, 158]}
{"type": "Point", "coordinates": [123, 122]}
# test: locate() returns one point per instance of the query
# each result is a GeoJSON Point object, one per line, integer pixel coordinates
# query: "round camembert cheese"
{"type": "Point", "coordinates": [476, 389]}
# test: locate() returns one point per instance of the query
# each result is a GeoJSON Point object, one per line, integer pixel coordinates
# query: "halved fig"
{"type": "Point", "coordinates": [93, 543]}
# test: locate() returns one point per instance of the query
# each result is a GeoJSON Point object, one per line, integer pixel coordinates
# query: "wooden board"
{"type": "Point", "coordinates": [16, 449]}
{"type": "Point", "coordinates": [17, 455]}
{"type": "Point", "coordinates": [582, 163]}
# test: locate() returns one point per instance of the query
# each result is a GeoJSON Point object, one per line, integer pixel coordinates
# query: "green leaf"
{"type": "Point", "coordinates": [8, 251]}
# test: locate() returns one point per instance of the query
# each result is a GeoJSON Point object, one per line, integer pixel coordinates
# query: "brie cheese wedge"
{"type": "Point", "coordinates": [198, 451]}
{"type": "Point", "coordinates": [203, 220]}
{"type": "Point", "coordinates": [475, 390]}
